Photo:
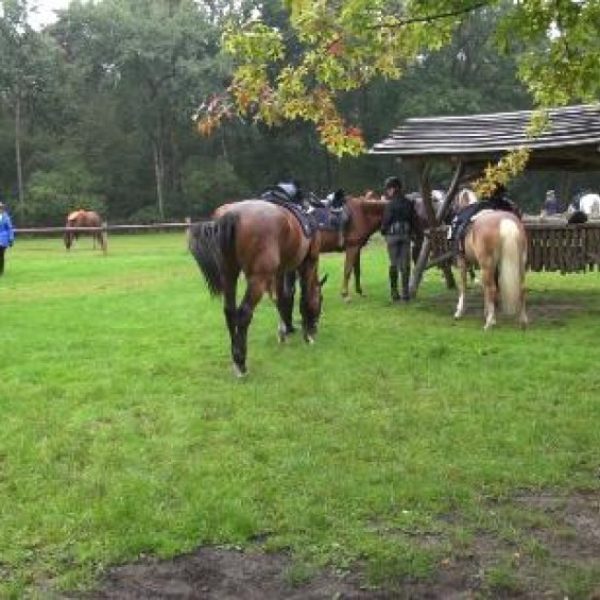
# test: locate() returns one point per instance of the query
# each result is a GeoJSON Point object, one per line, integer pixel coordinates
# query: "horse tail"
{"type": "Point", "coordinates": [210, 243]}
{"type": "Point", "coordinates": [511, 266]}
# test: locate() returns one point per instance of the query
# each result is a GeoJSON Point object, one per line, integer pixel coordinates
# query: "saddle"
{"type": "Point", "coordinates": [307, 222]}
{"type": "Point", "coordinates": [330, 219]}
{"type": "Point", "coordinates": [458, 232]}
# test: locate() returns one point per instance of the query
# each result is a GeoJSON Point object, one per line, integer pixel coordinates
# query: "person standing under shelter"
{"type": "Point", "coordinates": [551, 206]}
{"type": "Point", "coordinates": [398, 224]}
{"type": "Point", "coordinates": [7, 234]}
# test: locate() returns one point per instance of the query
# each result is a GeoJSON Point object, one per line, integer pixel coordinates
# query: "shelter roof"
{"type": "Point", "coordinates": [571, 139]}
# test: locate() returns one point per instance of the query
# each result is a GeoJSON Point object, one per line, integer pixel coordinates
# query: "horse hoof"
{"type": "Point", "coordinates": [457, 315]}
{"type": "Point", "coordinates": [309, 339]}
{"type": "Point", "coordinates": [281, 333]}
{"type": "Point", "coordinates": [238, 371]}
{"type": "Point", "coordinates": [346, 298]}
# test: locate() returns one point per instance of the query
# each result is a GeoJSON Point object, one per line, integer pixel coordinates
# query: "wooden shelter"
{"type": "Point", "coordinates": [569, 142]}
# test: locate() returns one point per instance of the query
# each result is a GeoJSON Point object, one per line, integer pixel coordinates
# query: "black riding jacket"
{"type": "Point", "coordinates": [399, 217]}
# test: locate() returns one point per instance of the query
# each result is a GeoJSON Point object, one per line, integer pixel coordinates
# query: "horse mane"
{"type": "Point", "coordinates": [369, 203]}
{"type": "Point", "coordinates": [371, 195]}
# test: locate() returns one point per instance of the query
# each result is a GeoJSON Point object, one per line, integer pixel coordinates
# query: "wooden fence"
{"type": "Point", "coordinates": [552, 245]}
{"type": "Point", "coordinates": [105, 228]}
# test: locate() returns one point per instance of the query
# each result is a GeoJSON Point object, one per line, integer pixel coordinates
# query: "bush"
{"type": "Point", "coordinates": [208, 183]}
{"type": "Point", "coordinates": [145, 216]}
{"type": "Point", "coordinates": [51, 195]}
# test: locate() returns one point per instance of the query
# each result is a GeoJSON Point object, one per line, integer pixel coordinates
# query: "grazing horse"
{"type": "Point", "coordinates": [496, 241]}
{"type": "Point", "coordinates": [84, 218]}
{"type": "Point", "coordinates": [365, 215]}
{"type": "Point", "coordinates": [265, 241]}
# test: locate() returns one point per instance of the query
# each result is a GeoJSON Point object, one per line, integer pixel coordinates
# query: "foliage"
{"type": "Point", "coordinates": [345, 45]}
{"type": "Point", "coordinates": [64, 187]}
{"type": "Point", "coordinates": [107, 98]}
{"type": "Point", "coordinates": [208, 183]}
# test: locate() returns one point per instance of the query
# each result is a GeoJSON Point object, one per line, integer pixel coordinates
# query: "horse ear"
{"type": "Point", "coordinates": [323, 279]}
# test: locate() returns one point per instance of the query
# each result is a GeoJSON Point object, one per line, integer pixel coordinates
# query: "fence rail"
{"type": "Point", "coordinates": [552, 245]}
{"type": "Point", "coordinates": [106, 228]}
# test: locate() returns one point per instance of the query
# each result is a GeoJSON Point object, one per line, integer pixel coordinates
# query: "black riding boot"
{"type": "Point", "coordinates": [405, 280]}
{"type": "Point", "coordinates": [394, 284]}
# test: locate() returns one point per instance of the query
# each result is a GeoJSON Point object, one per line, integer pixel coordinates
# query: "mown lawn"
{"type": "Point", "coordinates": [122, 430]}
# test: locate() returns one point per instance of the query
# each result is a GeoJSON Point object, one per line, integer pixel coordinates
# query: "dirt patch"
{"type": "Point", "coordinates": [575, 535]}
{"type": "Point", "coordinates": [554, 553]}
{"type": "Point", "coordinates": [223, 574]}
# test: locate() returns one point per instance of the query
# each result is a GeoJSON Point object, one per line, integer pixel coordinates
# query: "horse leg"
{"type": "Point", "coordinates": [357, 285]}
{"type": "Point", "coordinates": [256, 288]}
{"type": "Point", "coordinates": [462, 286]}
{"type": "Point", "coordinates": [230, 278]}
{"type": "Point", "coordinates": [351, 254]}
{"type": "Point", "coordinates": [305, 272]}
{"type": "Point", "coordinates": [523, 319]}
{"type": "Point", "coordinates": [286, 288]}
{"type": "Point", "coordinates": [490, 293]}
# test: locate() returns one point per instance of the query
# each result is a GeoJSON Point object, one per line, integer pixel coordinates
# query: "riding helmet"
{"type": "Point", "coordinates": [392, 182]}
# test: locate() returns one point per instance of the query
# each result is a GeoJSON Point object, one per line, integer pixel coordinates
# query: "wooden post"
{"type": "Point", "coordinates": [426, 192]}
{"type": "Point", "coordinates": [564, 193]}
{"type": "Point", "coordinates": [419, 269]}
{"type": "Point", "coordinates": [104, 234]}
{"type": "Point", "coordinates": [188, 231]}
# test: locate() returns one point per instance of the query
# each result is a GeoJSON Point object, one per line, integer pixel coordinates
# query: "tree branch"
{"type": "Point", "coordinates": [434, 17]}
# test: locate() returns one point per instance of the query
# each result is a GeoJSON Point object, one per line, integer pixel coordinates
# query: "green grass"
{"type": "Point", "coordinates": [123, 432]}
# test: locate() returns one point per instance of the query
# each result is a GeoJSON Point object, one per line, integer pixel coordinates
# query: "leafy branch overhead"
{"type": "Point", "coordinates": [300, 69]}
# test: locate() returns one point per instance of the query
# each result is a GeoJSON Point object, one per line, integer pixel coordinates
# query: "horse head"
{"type": "Point", "coordinates": [464, 198]}
{"type": "Point", "coordinates": [311, 305]}
{"type": "Point", "coordinates": [72, 221]}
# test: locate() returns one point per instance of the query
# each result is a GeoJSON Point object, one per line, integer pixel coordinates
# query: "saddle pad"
{"type": "Point", "coordinates": [327, 219]}
{"type": "Point", "coordinates": [307, 222]}
{"type": "Point", "coordinates": [485, 211]}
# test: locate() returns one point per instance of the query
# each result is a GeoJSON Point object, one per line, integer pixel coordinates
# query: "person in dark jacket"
{"type": "Point", "coordinates": [397, 225]}
{"type": "Point", "coordinates": [7, 234]}
{"type": "Point", "coordinates": [551, 205]}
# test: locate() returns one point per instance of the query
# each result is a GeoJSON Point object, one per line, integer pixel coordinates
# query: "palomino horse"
{"type": "Point", "coordinates": [365, 214]}
{"type": "Point", "coordinates": [265, 242]}
{"type": "Point", "coordinates": [497, 242]}
{"type": "Point", "coordinates": [84, 218]}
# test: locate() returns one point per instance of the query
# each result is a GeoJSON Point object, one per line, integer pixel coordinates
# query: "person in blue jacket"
{"type": "Point", "coordinates": [7, 234]}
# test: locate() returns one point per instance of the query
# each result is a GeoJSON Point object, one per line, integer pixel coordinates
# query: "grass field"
{"type": "Point", "coordinates": [394, 443]}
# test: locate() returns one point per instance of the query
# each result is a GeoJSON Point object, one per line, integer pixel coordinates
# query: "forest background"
{"type": "Point", "coordinates": [97, 111]}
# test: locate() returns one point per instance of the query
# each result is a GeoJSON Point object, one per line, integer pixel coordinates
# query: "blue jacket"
{"type": "Point", "coordinates": [7, 233]}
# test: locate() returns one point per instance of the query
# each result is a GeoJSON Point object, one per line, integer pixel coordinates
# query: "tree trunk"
{"type": "Point", "coordinates": [159, 169]}
{"type": "Point", "coordinates": [18, 155]}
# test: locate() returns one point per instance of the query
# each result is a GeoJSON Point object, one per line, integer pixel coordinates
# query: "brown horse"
{"type": "Point", "coordinates": [496, 241]}
{"type": "Point", "coordinates": [365, 214]}
{"type": "Point", "coordinates": [265, 242]}
{"type": "Point", "coordinates": [84, 218]}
